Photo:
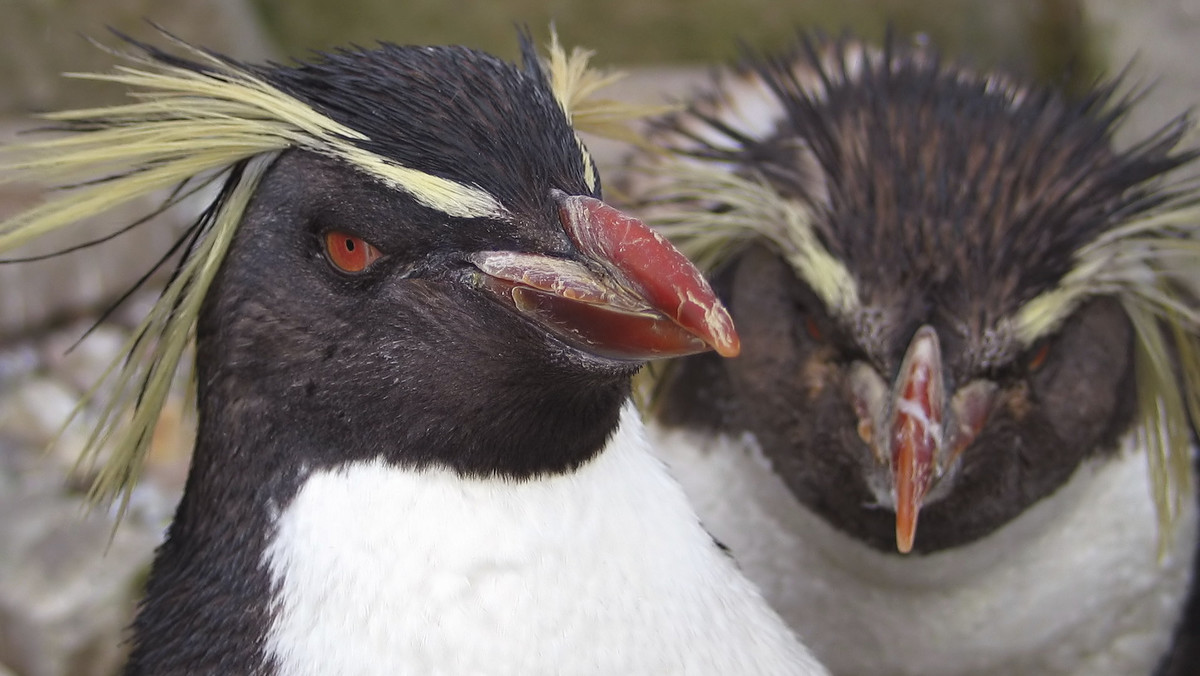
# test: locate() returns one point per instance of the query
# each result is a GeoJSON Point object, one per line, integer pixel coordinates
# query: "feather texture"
{"type": "Point", "coordinates": [201, 117]}
{"type": "Point", "coordinates": [1121, 229]}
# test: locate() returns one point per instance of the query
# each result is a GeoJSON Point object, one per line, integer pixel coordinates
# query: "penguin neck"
{"type": "Point", "coordinates": [209, 602]}
{"type": "Point", "coordinates": [376, 567]}
{"type": "Point", "coordinates": [604, 569]}
{"type": "Point", "coordinates": [206, 605]}
{"type": "Point", "coordinates": [1074, 586]}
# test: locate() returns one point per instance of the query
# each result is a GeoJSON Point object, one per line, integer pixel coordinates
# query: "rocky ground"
{"type": "Point", "coordinates": [68, 580]}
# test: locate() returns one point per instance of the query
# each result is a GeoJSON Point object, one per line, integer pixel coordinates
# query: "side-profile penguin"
{"type": "Point", "coordinates": [961, 306]}
{"type": "Point", "coordinates": [416, 325]}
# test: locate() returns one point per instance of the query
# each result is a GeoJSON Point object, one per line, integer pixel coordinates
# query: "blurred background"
{"type": "Point", "coordinates": [68, 583]}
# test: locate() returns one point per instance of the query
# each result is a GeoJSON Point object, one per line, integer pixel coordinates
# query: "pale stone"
{"type": "Point", "coordinates": [66, 590]}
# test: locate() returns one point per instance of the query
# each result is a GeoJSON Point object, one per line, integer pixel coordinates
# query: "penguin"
{"type": "Point", "coordinates": [416, 323]}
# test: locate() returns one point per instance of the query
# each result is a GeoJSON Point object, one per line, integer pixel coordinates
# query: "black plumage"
{"type": "Point", "coordinates": [908, 196]}
{"type": "Point", "coordinates": [509, 135]}
{"type": "Point", "coordinates": [407, 292]}
{"type": "Point", "coordinates": [303, 368]}
{"type": "Point", "coordinates": [299, 363]}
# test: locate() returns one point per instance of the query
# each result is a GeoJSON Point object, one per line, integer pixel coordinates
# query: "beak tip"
{"type": "Point", "coordinates": [910, 493]}
{"type": "Point", "coordinates": [911, 483]}
{"type": "Point", "coordinates": [905, 535]}
{"type": "Point", "coordinates": [655, 270]}
{"type": "Point", "coordinates": [725, 340]}
{"type": "Point", "coordinates": [719, 331]}
{"type": "Point", "coordinates": [729, 348]}
{"type": "Point", "coordinates": [916, 437]}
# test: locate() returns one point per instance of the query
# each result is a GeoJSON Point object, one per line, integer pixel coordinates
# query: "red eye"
{"type": "Point", "coordinates": [349, 253]}
{"type": "Point", "coordinates": [810, 325]}
{"type": "Point", "coordinates": [1038, 358]}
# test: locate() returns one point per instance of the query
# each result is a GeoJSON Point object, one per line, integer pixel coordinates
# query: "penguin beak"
{"type": "Point", "coordinates": [630, 296]}
{"type": "Point", "coordinates": [915, 431]}
{"type": "Point", "coordinates": [921, 444]}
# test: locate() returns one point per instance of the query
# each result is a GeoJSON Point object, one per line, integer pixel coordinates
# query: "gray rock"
{"type": "Point", "coordinates": [81, 363]}
{"type": "Point", "coordinates": [17, 362]}
{"type": "Point", "coordinates": [34, 412]}
{"type": "Point", "coordinates": [66, 590]}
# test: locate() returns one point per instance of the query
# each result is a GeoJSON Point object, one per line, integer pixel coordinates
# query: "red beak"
{"type": "Point", "coordinates": [633, 296]}
{"type": "Point", "coordinates": [916, 431]}
{"type": "Point", "coordinates": [924, 440]}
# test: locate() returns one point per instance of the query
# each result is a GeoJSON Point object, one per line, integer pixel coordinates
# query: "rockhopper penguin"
{"type": "Point", "coordinates": [416, 325]}
{"type": "Point", "coordinates": [961, 306]}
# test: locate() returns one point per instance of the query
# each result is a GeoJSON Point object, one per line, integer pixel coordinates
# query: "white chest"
{"type": "Point", "coordinates": [604, 571]}
{"type": "Point", "coordinates": [1074, 586]}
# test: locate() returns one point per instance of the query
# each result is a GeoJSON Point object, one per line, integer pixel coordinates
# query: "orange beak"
{"type": "Point", "coordinates": [923, 431]}
{"type": "Point", "coordinates": [628, 294]}
{"type": "Point", "coordinates": [915, 431]}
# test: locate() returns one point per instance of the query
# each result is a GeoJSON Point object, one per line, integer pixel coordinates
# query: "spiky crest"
{"type": "Point", "coordinates": [715, 193]}
{"type": "Point", "coordinates": [204, 117]}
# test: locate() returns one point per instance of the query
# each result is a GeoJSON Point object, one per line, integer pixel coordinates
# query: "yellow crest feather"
{"type": "Point", "coordinates": [575, 85]}
{"type": "Point", "coordinates": [680, 200]}
{"type": "Point", "coordinates": [199, 121]}
{"type": "Point", "coordinates": [1151, 264]}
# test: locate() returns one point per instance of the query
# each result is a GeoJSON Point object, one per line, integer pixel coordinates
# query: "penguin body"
{"type": "Point", "coordinates": [960, 422]}
{"type": "Point", "coordinates": [416, 325]}
{"type": "Point", "coordinates": [603, 570]}
{"type": "Point", "coordinates": [1071, 587]}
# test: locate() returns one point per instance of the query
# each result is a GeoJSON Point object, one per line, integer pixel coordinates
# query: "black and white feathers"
{"type": "Point", "coordinates": [961, 302]}
{"type": "Point", "coordinates": [416, 325]}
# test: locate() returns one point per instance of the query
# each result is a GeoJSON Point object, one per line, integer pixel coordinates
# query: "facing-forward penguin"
{"type": "Point", "coordinates": [416, 325]}
{"type": "Point", "coordinates": [959, 301]}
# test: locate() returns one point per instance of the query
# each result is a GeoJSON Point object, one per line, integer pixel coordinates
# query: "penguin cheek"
{"type": "Point", "coordinates": [817, 374]}
{"type": "Point", "coordinates": [1085, 386]}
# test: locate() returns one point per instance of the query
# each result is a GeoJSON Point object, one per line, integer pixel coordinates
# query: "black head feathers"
{"type": "Point", "coordinates": [198, 118]}
{"type": "Point", "coordinates": [899, 187]}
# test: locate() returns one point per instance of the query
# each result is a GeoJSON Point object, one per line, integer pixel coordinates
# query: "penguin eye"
{"type": "Point", "coordinates": [349, 253]}
{"type": "Point", "coordinates": [1038, 358]}
{"type": "Point", "coordinates": [814, 330]}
